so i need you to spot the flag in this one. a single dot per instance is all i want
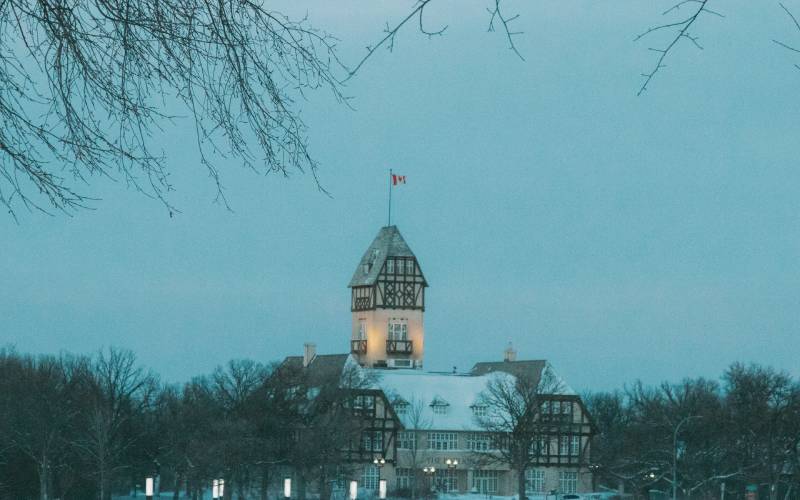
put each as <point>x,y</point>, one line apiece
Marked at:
<point>398,179</point>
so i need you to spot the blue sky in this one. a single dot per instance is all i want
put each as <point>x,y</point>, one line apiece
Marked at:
<point>620,237</point>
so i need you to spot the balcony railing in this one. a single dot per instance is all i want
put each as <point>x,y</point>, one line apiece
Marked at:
<point>358,346</point>
<point>399,347</point>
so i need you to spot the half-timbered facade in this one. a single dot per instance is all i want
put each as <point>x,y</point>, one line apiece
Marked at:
<point>388,304</point>
<point>414,419</point>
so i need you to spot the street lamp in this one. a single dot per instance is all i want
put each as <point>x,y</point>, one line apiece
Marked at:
<point>429,471</point>
<point>379,463</point>
<point>593,469</point>
<point>675,454</point>
<point>452,463</point>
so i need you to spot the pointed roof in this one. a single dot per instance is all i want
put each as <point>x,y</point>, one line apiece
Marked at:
<point>388,243</point>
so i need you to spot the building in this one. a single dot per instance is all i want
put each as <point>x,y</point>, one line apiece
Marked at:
<point>438,420</point>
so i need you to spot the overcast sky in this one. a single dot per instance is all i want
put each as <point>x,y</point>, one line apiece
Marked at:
<point>619,237</point>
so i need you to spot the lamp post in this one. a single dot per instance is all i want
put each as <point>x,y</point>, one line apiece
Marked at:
<point>429,471</point>
<point>675,454</point>
<point>379,463</point>
<point>451,463</point>
<point>593,468</point>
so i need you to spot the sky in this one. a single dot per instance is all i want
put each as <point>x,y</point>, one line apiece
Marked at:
<point>621,237</point>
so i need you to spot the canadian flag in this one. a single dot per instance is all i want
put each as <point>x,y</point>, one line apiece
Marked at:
<point>398,179</point>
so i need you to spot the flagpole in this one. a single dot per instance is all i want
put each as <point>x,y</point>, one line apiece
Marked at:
<point>390,197</point>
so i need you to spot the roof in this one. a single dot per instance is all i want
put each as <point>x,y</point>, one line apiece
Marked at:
<point>459,392</point>
<point>388,243</point>
<point>323,368</point>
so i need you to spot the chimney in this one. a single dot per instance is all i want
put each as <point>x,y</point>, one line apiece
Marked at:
<point>510,354</point>
<point>309,353</point>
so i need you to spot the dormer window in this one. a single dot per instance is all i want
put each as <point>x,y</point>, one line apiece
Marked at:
<point>401,266</point>
<point>479,410</point>
<point>390,266</point>
<point>400,406</point>
<point>439,406</point>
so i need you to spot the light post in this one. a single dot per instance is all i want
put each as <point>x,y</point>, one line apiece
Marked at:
<point>379,463</point>
<point>593,468</point>
<point>451,463</point>
<point>429,471</point>
<point>675,454</point>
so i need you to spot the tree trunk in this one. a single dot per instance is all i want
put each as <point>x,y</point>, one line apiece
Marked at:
<point>264,483</point>
<point>521,483</point>
<point>44,480</point>
<point>301,486</point>
<point>176,490</point>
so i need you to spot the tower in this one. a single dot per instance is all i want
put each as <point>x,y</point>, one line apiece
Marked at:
<point>387,303</point>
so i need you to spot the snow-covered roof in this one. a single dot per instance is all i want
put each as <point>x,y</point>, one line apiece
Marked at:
<point>458,392</point>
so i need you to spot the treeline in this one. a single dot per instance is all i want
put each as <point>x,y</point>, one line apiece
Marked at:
<point>722,439</point>
<point>93,427</point>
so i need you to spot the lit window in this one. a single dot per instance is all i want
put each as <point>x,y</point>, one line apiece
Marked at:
<point>567,482</point>
<point>534,481</point>
<point>398,329</point>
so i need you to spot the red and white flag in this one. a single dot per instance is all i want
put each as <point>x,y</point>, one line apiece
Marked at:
<point>398,179</point>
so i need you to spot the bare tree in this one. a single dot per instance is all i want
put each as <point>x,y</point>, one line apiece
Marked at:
<point>116,392</point>
<point>514,418</point>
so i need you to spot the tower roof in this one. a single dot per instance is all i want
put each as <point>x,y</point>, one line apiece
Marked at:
<point>388,243</point>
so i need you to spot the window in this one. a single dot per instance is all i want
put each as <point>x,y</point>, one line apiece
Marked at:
<point>440,409</point>
<point>407,440</point>
<point>543,445</point>
<point>478,441</point>
<point>567,482</point>
<point>401,407</point>
<point>575,446</point>
<point>479,410</point>
<point>401,266</point>
<point>364,403</point>
<point>404,478</point>
<point>362,329</point>
<point>563,446</point>
<point>398,329</point>
<point>370,477</point>
<point>390,266</point>
<point>442,441</point>
<point>446,480</point>
<point>485,481</point>
<point>372,440</point>
<point>534,481</point>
